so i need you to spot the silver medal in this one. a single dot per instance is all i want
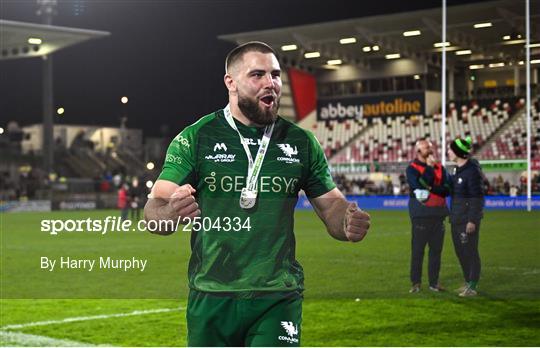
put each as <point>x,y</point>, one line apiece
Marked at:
<point>248,198</point>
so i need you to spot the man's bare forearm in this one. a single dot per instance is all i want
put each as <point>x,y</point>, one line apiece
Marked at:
<point>159,210</point>
<point>334,218</point>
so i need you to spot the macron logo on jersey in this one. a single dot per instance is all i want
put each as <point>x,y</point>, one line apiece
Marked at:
<point>220,146</point>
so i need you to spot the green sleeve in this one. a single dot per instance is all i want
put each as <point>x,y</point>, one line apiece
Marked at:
<point>319,180</point>
<point>179,165</point>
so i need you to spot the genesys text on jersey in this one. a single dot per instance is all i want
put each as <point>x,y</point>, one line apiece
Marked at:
<point>265,184</point>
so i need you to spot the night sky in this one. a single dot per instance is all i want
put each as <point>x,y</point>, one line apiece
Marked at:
<point>163,55</point>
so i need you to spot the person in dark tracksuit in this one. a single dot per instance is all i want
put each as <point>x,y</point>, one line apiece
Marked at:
<point>466,211</point>
<point>429,185</point>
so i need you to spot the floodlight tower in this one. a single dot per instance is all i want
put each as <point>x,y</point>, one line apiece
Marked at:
<point>46,10</point>
<point>123,121</point>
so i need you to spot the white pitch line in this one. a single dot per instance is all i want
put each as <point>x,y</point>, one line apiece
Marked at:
<point>93,317</point>
<point>27,340</point>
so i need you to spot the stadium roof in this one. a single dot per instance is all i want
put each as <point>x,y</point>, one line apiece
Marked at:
<point>26,40</point>
<point>493,31</point>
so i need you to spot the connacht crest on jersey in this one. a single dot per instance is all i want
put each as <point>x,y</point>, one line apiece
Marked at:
<point>288,150</point>
<point>290,328</point>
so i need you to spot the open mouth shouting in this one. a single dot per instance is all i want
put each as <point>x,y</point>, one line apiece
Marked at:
<point>268,100</point>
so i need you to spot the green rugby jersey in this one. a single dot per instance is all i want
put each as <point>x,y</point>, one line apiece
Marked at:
<point>237,250</point>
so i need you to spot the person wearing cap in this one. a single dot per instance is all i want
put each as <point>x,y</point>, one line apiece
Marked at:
<point>429,185</point>
<point>466,212</point>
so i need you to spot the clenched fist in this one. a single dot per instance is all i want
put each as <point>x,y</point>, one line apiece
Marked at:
<point>183,202</point>
<point>356,223</point>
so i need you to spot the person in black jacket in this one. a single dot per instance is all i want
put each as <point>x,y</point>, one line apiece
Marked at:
<point>429,185</point>
<point>466,211</point>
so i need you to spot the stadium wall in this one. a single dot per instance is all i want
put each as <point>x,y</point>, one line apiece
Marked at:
<point>433,102</point>
<point>100,136</point>
<point>399,67</point>
<point>502,77</point>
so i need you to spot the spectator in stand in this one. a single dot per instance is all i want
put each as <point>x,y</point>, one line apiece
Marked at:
<point>523,182</point>
<point>499,184</point>
<point>104,186</point>
<point>402,183</point>
<point>506,188</point>
<point>514,191</point>
<point>123,201</point>
<point>535,183</point>
<point>117,180</point>
<point>388,185</point>
<point>135,198</point>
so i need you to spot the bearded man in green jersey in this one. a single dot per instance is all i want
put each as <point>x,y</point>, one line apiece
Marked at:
<point>235,175</point>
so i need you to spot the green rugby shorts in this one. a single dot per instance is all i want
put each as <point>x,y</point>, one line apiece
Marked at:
<point>249,319</point>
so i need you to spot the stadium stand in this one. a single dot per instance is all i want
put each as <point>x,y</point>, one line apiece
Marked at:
<point>334,136</point>
<point>287,103</point>
<point>392,139</point>
<point>510,142</point>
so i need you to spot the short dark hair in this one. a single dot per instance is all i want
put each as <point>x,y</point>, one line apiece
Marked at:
<point>238,52</point>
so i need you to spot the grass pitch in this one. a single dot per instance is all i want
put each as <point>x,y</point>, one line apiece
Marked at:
<point>356,294</point>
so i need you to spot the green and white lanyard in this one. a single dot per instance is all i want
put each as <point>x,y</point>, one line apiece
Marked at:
<point>248,196</point>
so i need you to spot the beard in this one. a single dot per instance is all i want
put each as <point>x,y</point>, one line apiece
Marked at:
<point>251,109</point>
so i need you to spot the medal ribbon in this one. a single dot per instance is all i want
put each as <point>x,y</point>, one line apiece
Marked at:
<point>254,166</point>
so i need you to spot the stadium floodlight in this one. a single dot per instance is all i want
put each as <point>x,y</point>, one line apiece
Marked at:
<point>535,61</point>
<point>60,111</point>
<point>496,65</point>
<point>520,62</point>
<point>476,66</point>
<point>441,44</point>
<point>291,47</point>
<point>416,77</point>
<point>330,67</point>
<point>150,165</point>
<point>149,184</point>
<point>1,130</point>
<point>392,56</point>
<point>310,55</point>
<point>334,62</point>
<point>412,33</point>
<point>483,25</point>
<point>124,100</point>
<point>366,48</point>
<point>506,37</point>
<point>514,42</point>
<point>34,41</point>
<point>463,52</point>
<point>375,48</point>
<point>347,40</point>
